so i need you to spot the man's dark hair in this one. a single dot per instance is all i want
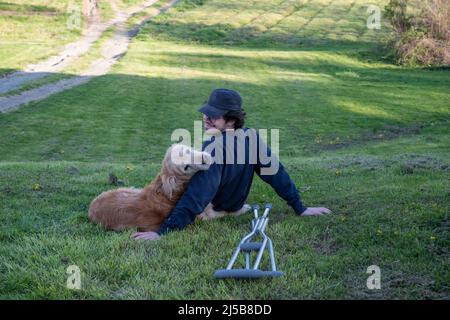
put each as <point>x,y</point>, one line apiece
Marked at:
<point>237,116</point>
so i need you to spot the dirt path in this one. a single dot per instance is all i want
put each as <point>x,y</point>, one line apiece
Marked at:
<point>60,61</point>
<point>112,51</point>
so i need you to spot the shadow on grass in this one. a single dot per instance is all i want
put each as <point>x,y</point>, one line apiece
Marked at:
<point>332,64</point>
<point>284,23</point>
<point>250,36</point>
<point>6,71</point>
<point>14,8</point>
<point>119,117</point>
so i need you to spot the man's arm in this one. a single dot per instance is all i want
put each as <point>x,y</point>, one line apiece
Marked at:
<point>279,180</point>
<point>284,187</point>
<point>283,184</point>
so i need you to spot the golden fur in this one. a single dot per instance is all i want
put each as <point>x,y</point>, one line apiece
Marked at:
<point>145,209</point>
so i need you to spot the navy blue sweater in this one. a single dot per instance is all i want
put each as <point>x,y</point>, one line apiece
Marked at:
<point>227,185</point>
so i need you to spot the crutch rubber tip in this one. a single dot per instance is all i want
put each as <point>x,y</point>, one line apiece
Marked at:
<point>246,274</point>
<point>268,205</point>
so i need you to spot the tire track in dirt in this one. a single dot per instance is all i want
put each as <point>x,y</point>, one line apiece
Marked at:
<point>71,51</point>
<point>63,59</point>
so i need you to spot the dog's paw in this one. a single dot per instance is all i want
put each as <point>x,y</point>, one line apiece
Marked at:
<point>245,208</point>
<point>201,216</point>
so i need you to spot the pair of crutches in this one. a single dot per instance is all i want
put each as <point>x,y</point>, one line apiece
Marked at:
<point>249,245</point>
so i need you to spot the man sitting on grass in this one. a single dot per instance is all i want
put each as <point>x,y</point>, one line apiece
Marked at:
<point>227,185</point>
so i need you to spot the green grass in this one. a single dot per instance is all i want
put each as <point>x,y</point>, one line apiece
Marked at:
<point>32,31</point>
<point>106,11</point>
<point>129,3</point>
<point>137,18</point>
<point>357,134</point>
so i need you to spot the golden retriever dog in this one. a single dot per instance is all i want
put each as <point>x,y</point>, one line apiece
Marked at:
<point>146,209</point>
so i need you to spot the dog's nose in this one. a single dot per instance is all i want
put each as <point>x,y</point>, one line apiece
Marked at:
<point>206,159</point>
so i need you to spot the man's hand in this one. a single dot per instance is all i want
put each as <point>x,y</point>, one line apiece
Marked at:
<point>150,235</point>
<point>316,211</point>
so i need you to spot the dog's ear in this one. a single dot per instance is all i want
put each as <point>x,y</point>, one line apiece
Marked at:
<point>168,185</point>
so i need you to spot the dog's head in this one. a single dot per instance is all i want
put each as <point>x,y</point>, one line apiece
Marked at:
<point>185,161</point>
<point>180,164</point>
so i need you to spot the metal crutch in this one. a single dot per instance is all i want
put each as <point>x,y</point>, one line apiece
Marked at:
<point>247,247</point>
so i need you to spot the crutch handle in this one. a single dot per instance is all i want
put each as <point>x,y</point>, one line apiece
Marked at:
<point>255,209</point>
<point>267,208</point>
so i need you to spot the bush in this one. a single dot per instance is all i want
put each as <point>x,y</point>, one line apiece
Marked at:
<point>421,31</point>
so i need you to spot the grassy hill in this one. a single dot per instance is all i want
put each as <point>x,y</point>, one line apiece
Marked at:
<point>366,138</point>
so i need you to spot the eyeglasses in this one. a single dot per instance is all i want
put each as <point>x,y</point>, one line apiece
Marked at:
<point>210,119</point>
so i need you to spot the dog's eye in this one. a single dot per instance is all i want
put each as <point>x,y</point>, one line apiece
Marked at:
<point>186,167</point>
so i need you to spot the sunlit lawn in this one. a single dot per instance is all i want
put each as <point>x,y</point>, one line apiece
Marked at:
<point>357,134</point>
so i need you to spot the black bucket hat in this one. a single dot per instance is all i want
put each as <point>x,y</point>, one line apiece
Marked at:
<point>220,102</point>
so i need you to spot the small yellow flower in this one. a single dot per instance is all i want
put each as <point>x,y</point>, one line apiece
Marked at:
<point>433,238</point>
<point>379,232</point>
<point>338,172</point>
<point>37,187</point>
